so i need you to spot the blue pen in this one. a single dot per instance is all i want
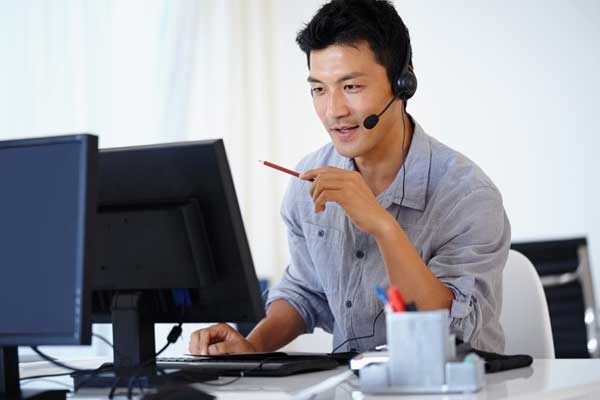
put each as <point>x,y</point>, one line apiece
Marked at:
<point>381,294</point>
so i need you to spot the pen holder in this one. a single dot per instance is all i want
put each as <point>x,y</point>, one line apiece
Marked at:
<point>417,345</point>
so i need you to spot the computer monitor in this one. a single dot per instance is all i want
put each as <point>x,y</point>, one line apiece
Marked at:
<point>171,247</point>
<point>47,208</point>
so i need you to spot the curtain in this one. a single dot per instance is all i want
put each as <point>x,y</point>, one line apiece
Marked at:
<point>138,72</point>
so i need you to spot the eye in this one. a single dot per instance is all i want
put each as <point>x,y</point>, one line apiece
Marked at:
<point>352,87</point>
<point>316,90</point>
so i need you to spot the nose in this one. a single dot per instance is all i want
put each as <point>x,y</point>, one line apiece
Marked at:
<point>336,105</point>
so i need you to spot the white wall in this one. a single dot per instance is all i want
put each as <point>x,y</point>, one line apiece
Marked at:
<point>514,85</point>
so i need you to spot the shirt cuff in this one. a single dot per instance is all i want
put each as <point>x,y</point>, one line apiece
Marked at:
<point>463,318</point>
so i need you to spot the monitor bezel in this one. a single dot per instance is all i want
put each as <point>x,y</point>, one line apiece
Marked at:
<point>87,200</point>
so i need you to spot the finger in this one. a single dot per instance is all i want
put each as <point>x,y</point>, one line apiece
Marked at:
<point>204,339</point>
<point>196,341</point>
<point>208,336</point>
<point>193,346</point>
<point>328,183</point>
<point>236,346</point>
<point>311,174</point>
<point>324,197</point>
<point>218,348</point>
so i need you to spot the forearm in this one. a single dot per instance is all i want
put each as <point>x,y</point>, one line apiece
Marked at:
<point>281,325</point>
<point>407,271</point>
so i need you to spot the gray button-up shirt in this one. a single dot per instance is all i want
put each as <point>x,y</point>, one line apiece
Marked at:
<point>452,213</point>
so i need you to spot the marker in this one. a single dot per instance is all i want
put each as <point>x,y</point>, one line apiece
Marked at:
<point>396,300</point>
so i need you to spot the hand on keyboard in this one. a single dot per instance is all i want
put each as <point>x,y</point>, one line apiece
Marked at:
<point>219,339</point>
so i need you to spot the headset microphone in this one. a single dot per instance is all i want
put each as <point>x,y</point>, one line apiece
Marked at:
<point>373,119</point>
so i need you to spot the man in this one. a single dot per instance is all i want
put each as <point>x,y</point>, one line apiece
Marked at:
<point>383,206</point>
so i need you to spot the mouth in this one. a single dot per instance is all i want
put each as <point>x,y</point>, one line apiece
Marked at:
<point>345,131</point>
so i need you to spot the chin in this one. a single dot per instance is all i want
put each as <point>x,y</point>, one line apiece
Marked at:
<point>348,150</point>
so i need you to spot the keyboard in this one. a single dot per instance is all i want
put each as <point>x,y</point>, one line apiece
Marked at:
<point>257,364</point>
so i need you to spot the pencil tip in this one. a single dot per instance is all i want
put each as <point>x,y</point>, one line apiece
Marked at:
<point>260,161</point>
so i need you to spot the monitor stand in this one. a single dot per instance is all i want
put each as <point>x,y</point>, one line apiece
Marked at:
<point>10,389</point>
<point>133,352</point>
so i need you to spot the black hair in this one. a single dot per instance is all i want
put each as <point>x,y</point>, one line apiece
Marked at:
<point>346,22</point>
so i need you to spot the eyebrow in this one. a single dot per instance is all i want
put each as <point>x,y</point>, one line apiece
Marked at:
<point>351,75</point>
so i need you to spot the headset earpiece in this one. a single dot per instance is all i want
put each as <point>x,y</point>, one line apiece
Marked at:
<point>403,88</point>
<point>406,84</point>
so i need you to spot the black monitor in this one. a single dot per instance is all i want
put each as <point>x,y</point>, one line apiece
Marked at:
<point>171,247</point>
<point>47,208</point>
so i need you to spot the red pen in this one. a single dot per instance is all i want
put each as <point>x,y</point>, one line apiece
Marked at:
<point>280,168</point>
<point>396,300</point>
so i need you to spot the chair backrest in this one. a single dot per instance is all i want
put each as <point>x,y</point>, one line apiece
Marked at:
<point>564,268</point>
<point>524,315</point>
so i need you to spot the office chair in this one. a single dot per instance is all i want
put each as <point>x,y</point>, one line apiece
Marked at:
<point>564,268</point>
<point>524,317</point>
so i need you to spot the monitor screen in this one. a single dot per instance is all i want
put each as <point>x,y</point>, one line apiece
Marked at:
<point>47,202</point>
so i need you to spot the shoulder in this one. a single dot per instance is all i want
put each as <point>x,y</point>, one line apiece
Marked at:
<point>463,201</point>
<point>456,176</point>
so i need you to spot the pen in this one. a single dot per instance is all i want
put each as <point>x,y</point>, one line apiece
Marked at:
<point>280,168</point>
<point>381,295</point>
<point>396,300</point>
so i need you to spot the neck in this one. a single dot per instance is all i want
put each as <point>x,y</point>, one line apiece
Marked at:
<point>380,166</point>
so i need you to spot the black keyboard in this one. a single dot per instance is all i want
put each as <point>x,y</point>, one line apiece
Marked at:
<point>257,364</point>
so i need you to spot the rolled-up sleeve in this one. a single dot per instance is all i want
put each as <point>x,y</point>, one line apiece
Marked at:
<point>472,242</point>
<point>300,285</point>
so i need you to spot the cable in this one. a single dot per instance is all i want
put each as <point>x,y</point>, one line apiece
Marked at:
<point>105,340</point>
<point>398,213</point>
<point>403,158</point>
<point>57,363</point>
<point>102,368</point>
<point>360,337</point>
<point>113,388</point>
<point>69,367</point>
<point>172,337</point>
<point>44,376</point>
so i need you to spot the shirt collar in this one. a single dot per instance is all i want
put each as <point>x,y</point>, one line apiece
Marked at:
<point>416,167</point>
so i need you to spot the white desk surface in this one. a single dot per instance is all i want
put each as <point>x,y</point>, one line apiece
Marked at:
<point>545,379</point>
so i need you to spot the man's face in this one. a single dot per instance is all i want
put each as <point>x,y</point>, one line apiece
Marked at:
<point>347,85</point>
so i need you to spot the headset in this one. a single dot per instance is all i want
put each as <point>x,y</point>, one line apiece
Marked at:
<point>403,88</point>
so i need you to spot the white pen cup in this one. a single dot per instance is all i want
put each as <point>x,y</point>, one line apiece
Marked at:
<point>417,345</point>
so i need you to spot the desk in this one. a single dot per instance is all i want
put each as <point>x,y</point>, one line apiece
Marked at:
<point>545,379</point>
